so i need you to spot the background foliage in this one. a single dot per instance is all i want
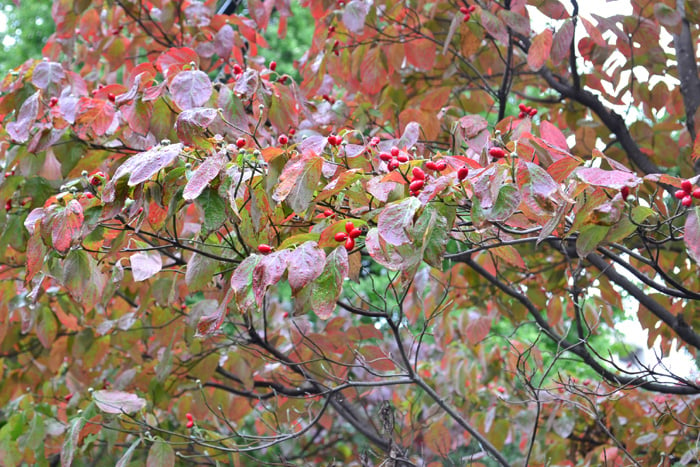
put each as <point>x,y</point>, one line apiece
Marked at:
<point>414,248</point>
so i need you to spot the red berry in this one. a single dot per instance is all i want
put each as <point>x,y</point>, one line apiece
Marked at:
<point>625,192</point>
<point>68,397</point>
<point>328,212</point>
<point>331,30</point>
<point>462,173</point>
<point>273,66</point>
<point>349,225</point>
<point>240,142</point>
<point>680,194</point>
<point>53,101</point>
<point>418,173</point>
<point>89,195</point>
<point>522,115</point>
<point>340,236</point>
<point>497,153</point>
<point>687,201</point>
<point>696,193</point>
<point>282,79</point>
<point>416,185</point>
<point>111,97</point>
<point>522,107</point>
<point>264,248</point>
<point>430,165</point>
<point>501,389</point>
<point>440,165</point>
<point>402,158</point>
<point>188,416</point>
<point>354,233</point>
<point>292,132</point>
<point>282,139</point>
<point>467,17</point>
<point>237,70</point>
<point>472,9</point>
<point>190,424</point>
<point>464,10</point>
<point>8,205</point>
<point>374,141</point>
<point>686,185</point>
<point>385,156</point>
<point>349,244</point>
<point>532,112</point>
<point>336,52</point>
<point>393,165</point>
<point>394,151</point>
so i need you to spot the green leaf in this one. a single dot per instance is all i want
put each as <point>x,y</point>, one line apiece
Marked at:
<point>160,455</point>
<point>329,285</point>
<point>126,457</point>
<point>214,208</point>
<point>200,272</point>
<point>46,327</point>
<point>589,238</point>
<point>70,445</point>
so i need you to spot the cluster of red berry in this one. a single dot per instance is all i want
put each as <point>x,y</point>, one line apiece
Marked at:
<point>497,152</point>
<point>335,140</point>
<point>526,110</point>
<point>686,194</point>
<point>336,44</point>
<point>393,158</point>
<point>349,236</point>
<point>467,11</point>
<point>417,183</point>
<point>190,420</point>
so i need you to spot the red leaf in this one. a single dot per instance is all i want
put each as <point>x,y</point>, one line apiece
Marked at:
<point>95,116</point>
<point>268,272</point>
<point>669,17</point>
<point>562,41</point>
<point>306,263</point>
<point>593,32</point>
<point>478,329</point>
<point>190,89</point>
<point>438,439</point>
<point>373,71</point>
<point>540,49</point>
<point>298,181</point>
<point>519,23</point>
<point>174,60</point>
<point>494,26</point>
<point>66,225</point>
<point>553,135</point>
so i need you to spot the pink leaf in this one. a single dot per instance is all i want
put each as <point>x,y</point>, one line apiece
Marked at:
<point>306,263</point>
<point>145,264</point>
<point>47,73</point>
<point>354,15</point>
<point>692,234</point>
<point>268,272</point>
<point>553,135</point>
<point>396,219</point>
<point>190,89</point>
<point>117,402</point>
<point>19,129</point>
<point>204,174</point>
<point>615,179</point>
<point>562,41</point>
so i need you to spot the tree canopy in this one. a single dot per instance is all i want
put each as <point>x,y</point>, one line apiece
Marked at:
<point>413,250</point>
